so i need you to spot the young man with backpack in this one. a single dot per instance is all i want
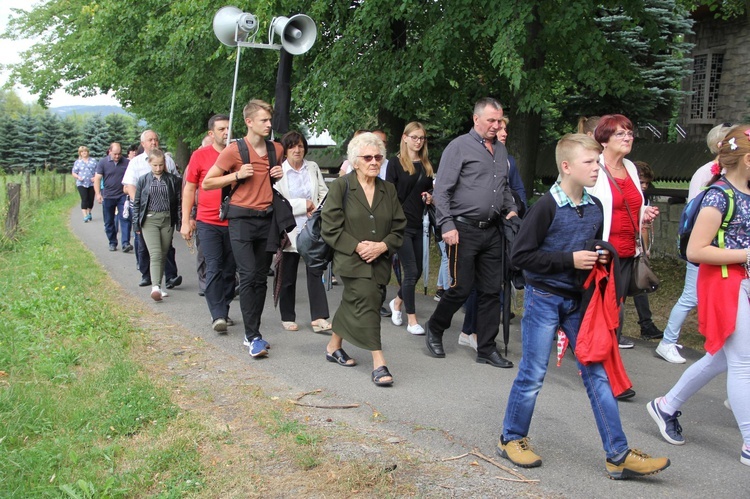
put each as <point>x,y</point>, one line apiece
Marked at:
<point>250,213</point>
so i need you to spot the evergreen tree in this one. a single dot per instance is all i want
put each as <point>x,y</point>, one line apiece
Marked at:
<point>117,128</point>
<point>28,144</point>
<point>72,137</point>
<point>95,136</point>
<point>51,140</point>
<point>8,142</point>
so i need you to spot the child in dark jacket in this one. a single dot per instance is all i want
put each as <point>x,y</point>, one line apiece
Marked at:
<point>549,248</point>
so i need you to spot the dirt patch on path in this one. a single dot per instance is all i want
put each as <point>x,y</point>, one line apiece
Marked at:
<point>254,441</point>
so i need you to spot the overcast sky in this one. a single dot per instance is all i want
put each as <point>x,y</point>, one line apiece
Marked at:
<point>10,51</point>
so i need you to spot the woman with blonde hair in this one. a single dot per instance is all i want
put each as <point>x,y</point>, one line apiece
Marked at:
<point>83,171</point>
<point>723,295</point>
<point>412,174</point>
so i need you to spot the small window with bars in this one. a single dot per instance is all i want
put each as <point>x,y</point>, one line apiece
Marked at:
<point>705,86</point>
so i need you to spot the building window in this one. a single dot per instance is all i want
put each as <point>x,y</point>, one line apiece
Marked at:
<point>705,86</point>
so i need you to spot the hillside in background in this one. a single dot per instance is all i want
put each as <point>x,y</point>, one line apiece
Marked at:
<point>64,111</point>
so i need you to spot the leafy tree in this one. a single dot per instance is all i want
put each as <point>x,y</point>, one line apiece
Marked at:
<point>376,62</point>
<point>11,104</point>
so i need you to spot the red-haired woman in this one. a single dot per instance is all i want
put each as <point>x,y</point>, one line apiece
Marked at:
<point>618,188</point>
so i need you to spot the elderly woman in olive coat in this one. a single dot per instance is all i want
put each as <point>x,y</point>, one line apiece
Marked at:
<point>364,230</point>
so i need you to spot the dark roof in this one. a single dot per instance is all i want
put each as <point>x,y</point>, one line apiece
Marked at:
<point>669,161</point>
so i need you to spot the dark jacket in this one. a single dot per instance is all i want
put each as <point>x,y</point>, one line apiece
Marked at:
<point>343,229</point>
<point>142,192</point>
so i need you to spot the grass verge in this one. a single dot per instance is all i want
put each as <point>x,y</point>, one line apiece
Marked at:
<point>101,398</point>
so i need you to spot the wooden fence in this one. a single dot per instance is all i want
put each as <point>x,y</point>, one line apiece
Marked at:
<point>23,190</point>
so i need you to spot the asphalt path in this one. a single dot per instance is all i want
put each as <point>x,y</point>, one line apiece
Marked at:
<point>450,406</point>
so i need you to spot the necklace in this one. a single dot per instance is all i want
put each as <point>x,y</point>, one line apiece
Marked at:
<point>613,168</point>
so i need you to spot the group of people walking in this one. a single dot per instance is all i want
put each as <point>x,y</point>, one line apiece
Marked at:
<point>576,247</point>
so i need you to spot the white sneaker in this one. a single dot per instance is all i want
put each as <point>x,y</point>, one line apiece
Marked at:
<point>416,330</point>
<point>164,294</point>
<point>395,314</point>
<point>467,340</point>
<point>668,352</point>
<point>156,293</point>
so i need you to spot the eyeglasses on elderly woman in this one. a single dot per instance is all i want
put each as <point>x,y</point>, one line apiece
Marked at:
<point>368,157</point>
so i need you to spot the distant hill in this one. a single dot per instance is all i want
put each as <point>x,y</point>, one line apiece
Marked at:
<point>64,111</point>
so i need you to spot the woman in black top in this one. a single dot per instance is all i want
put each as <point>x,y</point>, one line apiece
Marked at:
<point>411,172</point>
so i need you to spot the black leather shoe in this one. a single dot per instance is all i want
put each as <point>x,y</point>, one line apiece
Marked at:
<point>627,394</point>
<point>651,332</point>
<point>145,281</point>
<point>434,344</point>
<point>173,282</point>
<point>495,360</point>
<point>384,312</point>
<point>127,248</point>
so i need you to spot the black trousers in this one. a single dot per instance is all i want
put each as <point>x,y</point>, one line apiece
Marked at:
<point>249,237</point>
<point>476,259</point>
<point>410,256</point>
<point>200,263</point>
<point>87,197</point>
<point>220,268</point>
<point>316,291</point>
<point>143,260</point>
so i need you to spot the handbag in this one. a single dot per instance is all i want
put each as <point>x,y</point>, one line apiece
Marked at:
<point>642,278</point>
<point>316,253</point>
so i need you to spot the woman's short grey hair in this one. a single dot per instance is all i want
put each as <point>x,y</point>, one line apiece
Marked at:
<point>716,135</point>
<point>360,142</point>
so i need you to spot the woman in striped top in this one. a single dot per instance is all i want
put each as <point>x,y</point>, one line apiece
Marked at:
<point>156,213</point>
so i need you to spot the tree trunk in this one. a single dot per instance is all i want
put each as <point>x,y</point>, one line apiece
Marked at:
<point>182,155</point>
<point>523,142</point>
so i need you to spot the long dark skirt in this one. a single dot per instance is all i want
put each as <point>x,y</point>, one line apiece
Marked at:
<point>357,319</point>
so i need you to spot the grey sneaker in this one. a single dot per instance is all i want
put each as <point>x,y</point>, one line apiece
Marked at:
<point>220,325</point>
<point>625,343</point>
<point>668,425</point>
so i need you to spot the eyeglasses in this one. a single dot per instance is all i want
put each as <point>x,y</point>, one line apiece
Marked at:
<point>369,157</point>
<point>622,135</point>
<point>417,138</point>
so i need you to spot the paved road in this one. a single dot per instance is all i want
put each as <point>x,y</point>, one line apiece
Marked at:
<point>453,405</point>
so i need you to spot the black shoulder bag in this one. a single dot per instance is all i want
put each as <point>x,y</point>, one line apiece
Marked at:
<point>316,253</point>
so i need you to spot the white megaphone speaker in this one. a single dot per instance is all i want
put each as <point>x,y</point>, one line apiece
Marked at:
<point>231,25</point>
<point>297,33</point>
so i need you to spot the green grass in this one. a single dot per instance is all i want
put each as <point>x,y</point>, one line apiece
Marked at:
<point>71,401</point>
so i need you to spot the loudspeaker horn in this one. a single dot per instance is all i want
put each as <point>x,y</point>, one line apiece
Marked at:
<point>231,25</point>
<point>297,33</point>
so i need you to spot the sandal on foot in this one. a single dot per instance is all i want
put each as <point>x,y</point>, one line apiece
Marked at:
<point>341,358</point>
<point>380,373</point>
<point>290,325</point>
<point>321,325</point>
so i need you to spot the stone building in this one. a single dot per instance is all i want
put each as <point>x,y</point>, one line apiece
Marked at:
<point>720,81</point>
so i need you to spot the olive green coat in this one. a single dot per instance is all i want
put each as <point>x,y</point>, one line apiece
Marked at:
<point>384,221</point>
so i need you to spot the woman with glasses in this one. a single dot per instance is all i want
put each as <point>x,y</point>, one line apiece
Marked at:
<point>411,172</point>
<point>618,188</point>
<point>364,224</point>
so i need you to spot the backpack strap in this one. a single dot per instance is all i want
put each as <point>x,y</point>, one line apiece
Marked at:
<point>728,191</point>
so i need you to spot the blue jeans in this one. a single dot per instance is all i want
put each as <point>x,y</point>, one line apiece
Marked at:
<point>444,278</point>
<point>687,302</point>
<point>544,313</point>
<point>112,221</point>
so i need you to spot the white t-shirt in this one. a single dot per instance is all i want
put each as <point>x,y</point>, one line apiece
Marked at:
<point>700,178</point>
<point>139,166</point>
